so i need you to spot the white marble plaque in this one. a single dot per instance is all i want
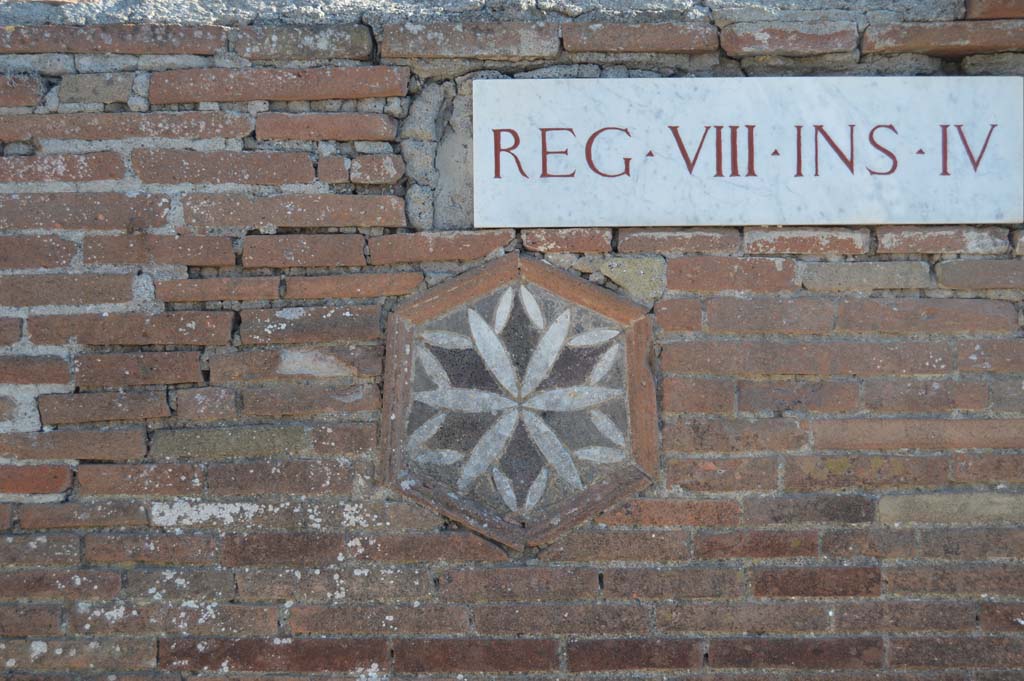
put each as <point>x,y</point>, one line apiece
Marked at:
<point>748,151</point>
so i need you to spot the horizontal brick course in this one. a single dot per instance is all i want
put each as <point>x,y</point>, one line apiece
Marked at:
<point>469,40</point>
<point>667,37</point>
<point>293,210</point>
<point>944,39</point>
<point>101,210</point>
<point>788,39</point>
<point>115,126</point>
<point>242,85</point>
<point>172,166</point>
<point>325,126</point>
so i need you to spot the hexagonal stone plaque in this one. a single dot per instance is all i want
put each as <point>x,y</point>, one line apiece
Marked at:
<point>519,400</point>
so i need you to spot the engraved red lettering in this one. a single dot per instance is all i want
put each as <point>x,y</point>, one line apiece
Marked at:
<point>545,152</point>
<point>689,162</point>
<point>499,150</point>
<point>590,154</point>
<point>819,132</point>
<point>884,150</point>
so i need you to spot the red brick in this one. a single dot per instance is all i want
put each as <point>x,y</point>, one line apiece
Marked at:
<point>65,289</point>
<point>721,273</point>
<point>981,274</point>
<point>797,396</point>
<point>676,315</point>
<point>666,37</point>
<point>575,240</point>
<point>30,252</point>
<point>321,586</point>
<point>733,435</point>
<point>44,479</point>
<point>995,9</point>
<point>903,616</point>
<point>891,315</point>
<point>113,513</point>
<point>518,584</point>
<point>232,442</point>
<point>60,584</point>
<point>496,656</point>
<point>560,619</point>
<point>33,369</point>
<point>102,165</point>
<point>82,211</point>
<point>489,40</point>
<point>139,479</point>
<point>29,620</point>
<point>340,127</point>
<point>806,241</point>
<point>253,84</point>
<point>679,241</point>
<point>817,582</point>
<point>756,544</point>
<point>191,618</point>
<point>770,315</point>
<point>311,324</point>
<point>139,368</point>
<point>10,330</point>
<point>332,41</point>
<point>672,513</point>
<point>349,439</point>
<point>85,445</point>
<point>293,549</point>
<point>150,549</point>
<point>865,276</point>
<point>672,584</point>
<point>272,655</point>
<point>116,126</point>
<point>650,653</point>
<point>169,328</point>
<point>822,359</point>
<point>722,475</point>
<point>994,616</point>
<point>379,619</point>
<point>944,39</point>
<point>142,249</point>
<point>84,655</point>
<point>961,580</point>
<point>296,364</point>
<point>206,404</point>
<point>293,210</point>
<point>376,169</point>
<point>972,543</point>
<point>176,166</point>
<point>754,618</point>
<point>924,396</point>
<point>590,546</point>
<point>107,406</point>
<point>228,288</point>
<point>698,395</point>
<point>970,240</point>
<point>333,169</point>
<point>796,653</point>
<point>804,473</point>
<point>427,247</point>
<point>114,39</point>
<point>789,39</point>
<point>869,543</point>
<point>353,285</point>
<point>303,250</point>
<point>49,549</point>
<point>444,547</point>
<point>999,356</point>
<point>937,652</point>
<point>280,477</point>
<point>812,508</point>
<point>20,91</point>
<point>309,400</point>
<point>988,468</point>
<point>926,434</point>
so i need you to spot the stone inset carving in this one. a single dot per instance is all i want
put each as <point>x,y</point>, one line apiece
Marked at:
<point>519,400</point>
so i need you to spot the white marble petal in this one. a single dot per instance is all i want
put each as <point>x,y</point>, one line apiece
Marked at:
<point>448,340</point>
<point>492,351</point>
<point>488,449</point>
<point>433,368</point>
<point>576,398</point>
<point>504,487</point>
<point>607,427</point>
<point>591,338</point>
<point>600,454</point>
<point>546,353</point>
<point>603,365</point>
<point>419,437</point>
<point>536,491</point>
<point>504,310</point>
<point>552,449</point>
<point>466,400</point>
<point>443,457</point>
<point>532,309</point>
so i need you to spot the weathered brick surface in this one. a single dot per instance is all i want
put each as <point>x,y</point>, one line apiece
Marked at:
<point>204,230</point>
<point>994,9</point>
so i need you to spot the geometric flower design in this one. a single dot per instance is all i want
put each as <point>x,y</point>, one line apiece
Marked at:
<point>515,399</point>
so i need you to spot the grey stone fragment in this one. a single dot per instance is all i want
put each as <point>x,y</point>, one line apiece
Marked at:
<point>373,147</point>
<point>43,64</point>
<point>419,161</point>
<point>419,207</point>
<point>642,279</point>
<point>105,63</point>
<point>105,88</point>
<point>1005,64</point>
<point>424,121</point>
<point>453,204</point>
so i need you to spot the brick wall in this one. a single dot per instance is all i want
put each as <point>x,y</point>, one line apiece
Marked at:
<point>202,230</point>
